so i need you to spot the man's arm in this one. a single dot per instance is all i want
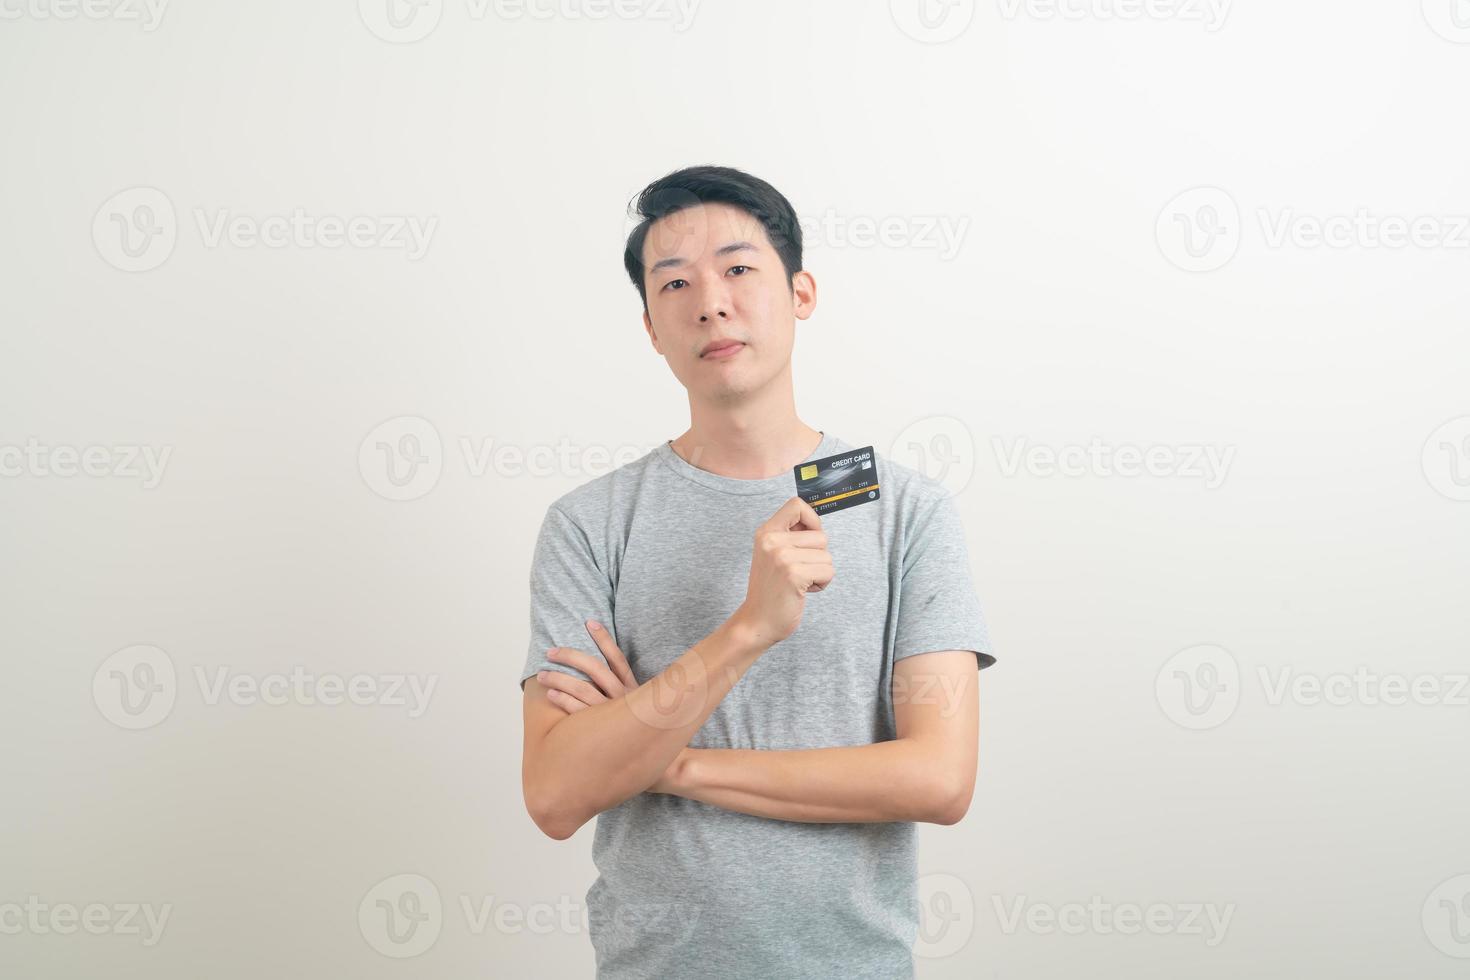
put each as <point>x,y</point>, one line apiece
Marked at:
<point>926,774</point>
<point>574,766</point>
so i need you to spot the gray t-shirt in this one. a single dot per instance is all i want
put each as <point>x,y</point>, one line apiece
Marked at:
<point>659,551</point>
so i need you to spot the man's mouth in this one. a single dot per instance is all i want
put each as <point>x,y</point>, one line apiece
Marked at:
<point>721,349</point>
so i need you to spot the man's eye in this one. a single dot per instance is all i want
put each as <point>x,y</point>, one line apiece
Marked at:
<point>671,283</point>
<point>743,267</point>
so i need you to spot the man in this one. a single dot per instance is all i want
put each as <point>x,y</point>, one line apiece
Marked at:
<point>756,703</point>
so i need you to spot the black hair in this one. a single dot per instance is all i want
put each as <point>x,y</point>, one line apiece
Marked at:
<point>692,186</point>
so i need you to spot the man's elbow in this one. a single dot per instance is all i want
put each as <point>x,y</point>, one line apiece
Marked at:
<point>953,801</point>
<point>552,822</point>
<point>550,814</point>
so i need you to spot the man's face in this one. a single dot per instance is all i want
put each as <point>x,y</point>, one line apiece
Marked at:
<point>713,278</point>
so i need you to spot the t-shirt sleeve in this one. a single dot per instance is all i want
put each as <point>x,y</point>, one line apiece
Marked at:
<point>568,587</point>
<point>937,606</point>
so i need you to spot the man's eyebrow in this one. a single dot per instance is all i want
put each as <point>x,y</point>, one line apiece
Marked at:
<point>670,263</point>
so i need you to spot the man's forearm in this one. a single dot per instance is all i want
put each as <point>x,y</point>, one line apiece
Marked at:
<point>596,758</point>
<point>901,779</point>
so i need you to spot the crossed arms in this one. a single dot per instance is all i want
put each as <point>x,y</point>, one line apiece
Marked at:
<point>590,746</point>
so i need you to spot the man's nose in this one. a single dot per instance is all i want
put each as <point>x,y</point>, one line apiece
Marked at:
<point>714,304</point>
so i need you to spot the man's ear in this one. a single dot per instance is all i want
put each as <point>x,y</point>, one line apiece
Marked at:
<point>803,294</point>
<point>648,325</point>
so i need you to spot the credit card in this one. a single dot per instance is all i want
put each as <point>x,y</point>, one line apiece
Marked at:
<point>837,482</point>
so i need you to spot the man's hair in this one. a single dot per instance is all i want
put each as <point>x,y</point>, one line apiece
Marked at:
<point>705,185</point>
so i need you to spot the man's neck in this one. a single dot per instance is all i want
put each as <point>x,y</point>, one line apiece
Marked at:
<point>746,448</point>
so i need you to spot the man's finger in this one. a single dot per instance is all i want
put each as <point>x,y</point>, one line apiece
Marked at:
<point>594,667</point>
<point>793,514</point>
<point>612,653</point>
<point>574,686</point>
<point>801,539</point>
<point>564,701</point>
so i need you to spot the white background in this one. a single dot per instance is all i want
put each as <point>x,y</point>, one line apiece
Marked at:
<point>1086,309</point>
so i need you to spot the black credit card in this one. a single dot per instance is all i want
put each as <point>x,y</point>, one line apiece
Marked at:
<point>838,482</point>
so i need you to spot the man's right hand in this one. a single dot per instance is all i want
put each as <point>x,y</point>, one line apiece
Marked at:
<point>789,560</point>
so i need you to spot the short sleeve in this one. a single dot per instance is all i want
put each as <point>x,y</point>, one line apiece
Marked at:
<point>568,587</point>
<point>937,605</point>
